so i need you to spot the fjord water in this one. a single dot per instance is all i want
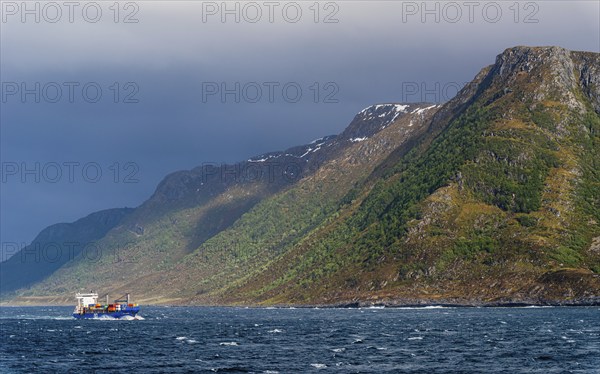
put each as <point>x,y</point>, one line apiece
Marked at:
<point>197,339</point>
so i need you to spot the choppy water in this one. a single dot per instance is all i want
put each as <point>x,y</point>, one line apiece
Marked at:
<point>197,340</point>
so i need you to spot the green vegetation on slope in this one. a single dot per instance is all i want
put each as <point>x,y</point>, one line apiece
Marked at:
<point>498,200</point>
<point>518,181</point>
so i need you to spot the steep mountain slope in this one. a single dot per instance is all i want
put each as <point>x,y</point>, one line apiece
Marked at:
<point>280,222</point>
<point>55,246</point>
<point>305,182</point>
<point>500,202</point>
<point>492,197</point>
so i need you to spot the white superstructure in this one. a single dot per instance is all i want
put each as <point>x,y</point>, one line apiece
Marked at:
<point>85,299</point>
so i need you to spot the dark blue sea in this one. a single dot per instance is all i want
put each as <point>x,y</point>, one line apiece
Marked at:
<point>238,340</point>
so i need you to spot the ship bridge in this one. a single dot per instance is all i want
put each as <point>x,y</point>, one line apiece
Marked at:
<point>85,299</point>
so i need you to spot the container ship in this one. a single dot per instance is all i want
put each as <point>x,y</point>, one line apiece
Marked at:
<point>88,307</point>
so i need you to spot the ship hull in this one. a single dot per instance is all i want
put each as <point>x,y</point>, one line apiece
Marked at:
<point>97,315</point>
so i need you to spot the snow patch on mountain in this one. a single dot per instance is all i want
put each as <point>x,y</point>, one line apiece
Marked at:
<point>389,108</point>
<point>422,110</point>
<point>263,159</point>
<point>386,113</point>
<point>307,152</point>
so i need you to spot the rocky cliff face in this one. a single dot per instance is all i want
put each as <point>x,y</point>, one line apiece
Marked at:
<point>586,64</point>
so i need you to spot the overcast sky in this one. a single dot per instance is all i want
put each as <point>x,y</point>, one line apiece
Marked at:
<point>170,60</point>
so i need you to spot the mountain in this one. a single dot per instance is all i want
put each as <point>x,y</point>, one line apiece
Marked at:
<point>491,198</point>
<point>498,203</point>
<point>55,246</point>
<point>191,207</point>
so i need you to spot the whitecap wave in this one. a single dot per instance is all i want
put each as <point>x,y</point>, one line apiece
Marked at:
<point>33,317</point>
<point>105,318</point>
<point>377,348</point>
<point>228,343</point>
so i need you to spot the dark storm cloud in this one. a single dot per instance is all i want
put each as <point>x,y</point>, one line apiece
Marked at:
<point>171,54</point>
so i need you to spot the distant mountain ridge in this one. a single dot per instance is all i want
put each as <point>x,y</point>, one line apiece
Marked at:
<point>55,246</point>
<point>490,198</point>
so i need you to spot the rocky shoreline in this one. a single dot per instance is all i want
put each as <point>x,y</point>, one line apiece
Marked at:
<point>469,304</point>
<point>396,303</point>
